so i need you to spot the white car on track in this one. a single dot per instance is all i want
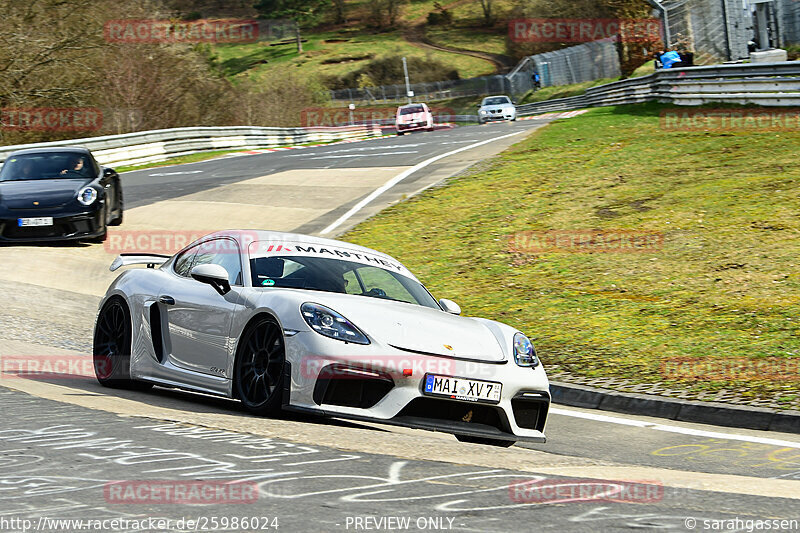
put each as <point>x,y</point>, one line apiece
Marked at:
<point>496,108</point>
<point>414,117</point>
<point>288,321</point>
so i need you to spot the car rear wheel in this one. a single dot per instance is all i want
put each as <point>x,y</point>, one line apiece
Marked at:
<point>483,440</point>
<point>259,367</point>
<point>112,347</point>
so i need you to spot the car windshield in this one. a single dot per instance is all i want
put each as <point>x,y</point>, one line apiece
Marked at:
<point>408,110</point>
<point>43,166</point>
<point>496,100</point>
<point>337,275</point>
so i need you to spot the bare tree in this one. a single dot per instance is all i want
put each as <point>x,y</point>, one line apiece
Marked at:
<point>339,12</point>
<point>385,13</point>
<point>488,16</point>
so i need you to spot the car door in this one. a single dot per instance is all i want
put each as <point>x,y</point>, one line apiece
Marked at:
<point>198,318</point>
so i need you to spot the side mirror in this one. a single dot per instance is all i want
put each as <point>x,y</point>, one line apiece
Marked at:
<point>214,275</point>
<point>513,102</point>
<point>450,306</point>
<point>108,172</point>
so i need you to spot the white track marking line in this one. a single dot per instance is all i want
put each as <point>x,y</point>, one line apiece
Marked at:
<point>359,149</point>
<point>403,175</point>
<point>176,173</point>
<point>675,429</point>
<point>344,156</point>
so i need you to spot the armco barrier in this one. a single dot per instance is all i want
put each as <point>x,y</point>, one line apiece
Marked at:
<point>765,84</point>
<point>158,145</point>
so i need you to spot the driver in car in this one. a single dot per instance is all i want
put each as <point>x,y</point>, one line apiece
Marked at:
<point>27,170</point>
<point>75,165</point>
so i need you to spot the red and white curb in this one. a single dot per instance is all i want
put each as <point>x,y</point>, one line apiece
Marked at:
<point>564,114</point>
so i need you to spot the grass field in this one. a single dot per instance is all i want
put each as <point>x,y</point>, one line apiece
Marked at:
<point>339,50</point>
<point>468,39</point>
<point>468,31</point>
<point>336,53</point>
<point>722,285</point>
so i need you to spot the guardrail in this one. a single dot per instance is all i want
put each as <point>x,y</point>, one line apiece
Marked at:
<point>158,145</point>
<point>765,84</point>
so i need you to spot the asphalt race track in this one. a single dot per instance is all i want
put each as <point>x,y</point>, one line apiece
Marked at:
<point>70,448</point>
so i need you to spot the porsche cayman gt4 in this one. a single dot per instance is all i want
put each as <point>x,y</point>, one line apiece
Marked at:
<point>294,322</point>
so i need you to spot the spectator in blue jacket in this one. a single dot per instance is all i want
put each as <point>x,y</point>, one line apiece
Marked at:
<point>668,59</point>
<point>537,81</point>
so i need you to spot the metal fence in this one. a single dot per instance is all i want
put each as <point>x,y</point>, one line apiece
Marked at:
<point>576,64</point>
<point>790,20</point>
<point>765,84</point>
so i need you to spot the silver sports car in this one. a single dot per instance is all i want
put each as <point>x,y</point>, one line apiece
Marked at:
<point>287,321</point>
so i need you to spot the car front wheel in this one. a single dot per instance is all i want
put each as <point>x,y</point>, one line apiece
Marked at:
<point>259,367</point>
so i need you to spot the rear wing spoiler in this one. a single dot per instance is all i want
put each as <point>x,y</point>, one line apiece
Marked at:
<point>151,260</point>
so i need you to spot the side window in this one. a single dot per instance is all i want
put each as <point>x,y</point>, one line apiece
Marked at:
<point>184,262</point>
<point>224,252</point>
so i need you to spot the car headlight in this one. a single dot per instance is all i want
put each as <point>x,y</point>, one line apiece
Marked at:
<point>524,353</point>
<point>482,111</point>
<point>328,322</point>
<point>87,195</point>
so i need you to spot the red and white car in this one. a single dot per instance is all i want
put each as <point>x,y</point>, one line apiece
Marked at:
<point>413,117</point>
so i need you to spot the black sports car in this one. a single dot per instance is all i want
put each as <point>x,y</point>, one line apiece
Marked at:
<point>49,194</point>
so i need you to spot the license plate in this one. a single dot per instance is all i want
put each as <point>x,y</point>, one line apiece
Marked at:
<point>470,390</point>
<point>39,221</point>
